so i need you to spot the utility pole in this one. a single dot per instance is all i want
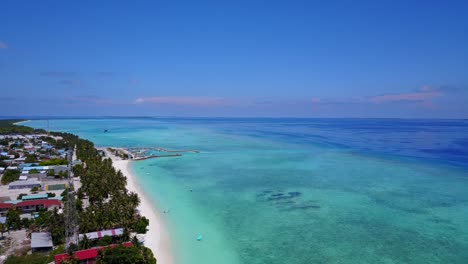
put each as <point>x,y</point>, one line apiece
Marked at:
<point>71,215</point>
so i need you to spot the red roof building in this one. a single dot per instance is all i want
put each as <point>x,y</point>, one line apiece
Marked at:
<point>87,256</point>
<point>35,205</point>
<point>43,202</point>
<point>31,206</point>
<point>5,206</point>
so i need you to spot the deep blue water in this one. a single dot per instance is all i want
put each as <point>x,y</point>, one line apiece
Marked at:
<point>442,141</point>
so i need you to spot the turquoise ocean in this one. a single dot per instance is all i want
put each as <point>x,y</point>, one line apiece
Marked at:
<point>301,191</point>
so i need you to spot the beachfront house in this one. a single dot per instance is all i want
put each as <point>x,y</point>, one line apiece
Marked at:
<point>100,234</point>
<point>85,256</point>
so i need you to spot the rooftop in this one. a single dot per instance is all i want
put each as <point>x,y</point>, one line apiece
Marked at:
<point>45,167</point>
<point>41,240</point>
<point>5,205</point>
<point>99,234</point>
<point>4,198</point>
<point>43,202</point>
<point>35,196</point>
<point>13,201</point>
<point>86,254</point>
<point>26,182</point>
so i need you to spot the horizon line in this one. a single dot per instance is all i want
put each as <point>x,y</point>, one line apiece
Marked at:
<point>44,117</point>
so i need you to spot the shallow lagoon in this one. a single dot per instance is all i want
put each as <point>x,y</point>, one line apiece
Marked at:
<point>302,190</point>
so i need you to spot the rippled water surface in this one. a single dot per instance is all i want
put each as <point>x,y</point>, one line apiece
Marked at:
<point>302,190</point>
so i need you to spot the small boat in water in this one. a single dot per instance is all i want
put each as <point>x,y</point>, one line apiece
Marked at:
<point>199,238</point>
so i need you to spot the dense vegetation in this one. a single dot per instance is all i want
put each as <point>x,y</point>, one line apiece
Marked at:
<point>31,158</point>
<point>47,221</point>
<point>53,222</point>
<point>123,255</point>
<point>3,164</point>
<point>53,162</point>
<point>13,221</point>
<point>10,176</point>
<point>8,127</point>
<point>33,171</point>
<point>27,259</point>
<point>110,204</point>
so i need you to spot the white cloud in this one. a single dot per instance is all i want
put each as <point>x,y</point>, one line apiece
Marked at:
<point>3,45</point>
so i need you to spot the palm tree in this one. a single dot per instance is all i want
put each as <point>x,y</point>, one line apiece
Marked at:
<point>136,242</point>
<point>85,243</point>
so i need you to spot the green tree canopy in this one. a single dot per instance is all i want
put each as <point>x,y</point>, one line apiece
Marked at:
<point>10,176</point>
<point>53,162</point>
<point>9,127</point>
<point>31,158</point>
<point>123,255</point>
<point>27,259</point>
<point>13,221</point>
<point>33,171</point>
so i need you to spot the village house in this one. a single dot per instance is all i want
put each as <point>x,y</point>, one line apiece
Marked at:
<point>26,184</point>
<point>87,255</point>
<point>32,205</point>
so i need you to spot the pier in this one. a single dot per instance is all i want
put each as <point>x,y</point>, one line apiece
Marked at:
<point>168,150</point>
<point>156,156</point>
<point>148,152</point>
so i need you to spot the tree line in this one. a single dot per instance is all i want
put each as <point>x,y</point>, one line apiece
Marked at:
<point>9,127</point>
<point>111,205</point>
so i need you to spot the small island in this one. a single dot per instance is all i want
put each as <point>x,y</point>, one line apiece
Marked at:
<point>63,202</point>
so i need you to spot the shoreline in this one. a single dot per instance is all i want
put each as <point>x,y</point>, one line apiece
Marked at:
<point>18,123</point>
<point>157,237</point>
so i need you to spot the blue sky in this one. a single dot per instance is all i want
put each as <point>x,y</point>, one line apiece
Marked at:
<point>235,58</point>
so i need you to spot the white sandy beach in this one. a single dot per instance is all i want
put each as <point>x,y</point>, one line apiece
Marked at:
<point>20,122</point>
<point>157,237</point>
